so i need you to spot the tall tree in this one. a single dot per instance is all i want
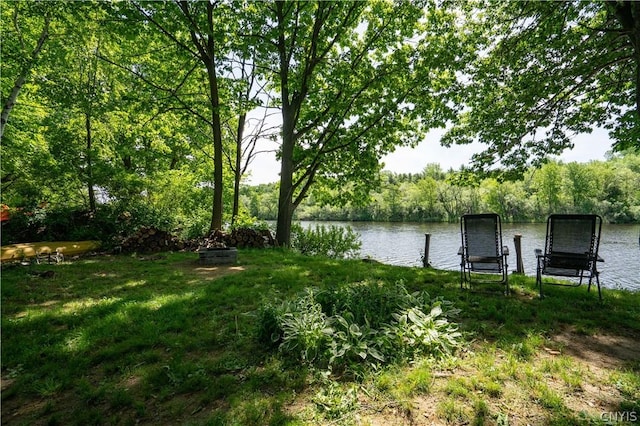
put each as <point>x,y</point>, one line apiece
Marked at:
<point>253,119</point>
<point>82,92</point>
<point>546,71</point>
<point>201,29</point>
<point>68,90</point>
<point>349,83</point>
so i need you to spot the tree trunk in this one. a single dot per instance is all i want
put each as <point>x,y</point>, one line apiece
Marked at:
<point>285,198</point>
<point>636,46</point>
<point>92,196</point>
<point>216,123</point>
<point>238,168</point>
<point>216,213</point>
<point>11,102</point>
<point>17,86</point>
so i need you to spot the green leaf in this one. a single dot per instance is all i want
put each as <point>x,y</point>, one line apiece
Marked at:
<point>355,330</point>
<point>436,311</point>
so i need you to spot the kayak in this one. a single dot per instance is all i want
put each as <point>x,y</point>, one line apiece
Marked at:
<point>22,251</point>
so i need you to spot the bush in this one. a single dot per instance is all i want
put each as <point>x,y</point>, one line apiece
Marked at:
<point>245,220</point>
<point>333,241</point>
<point>109,221</point>
<point>44,223</point>
<point>358,327</point>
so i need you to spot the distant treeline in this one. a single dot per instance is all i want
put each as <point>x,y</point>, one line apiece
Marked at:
<point>609,188</point>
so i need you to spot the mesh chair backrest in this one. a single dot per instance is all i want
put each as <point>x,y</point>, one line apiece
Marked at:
<point>573,235</point>
<point>482,235</point>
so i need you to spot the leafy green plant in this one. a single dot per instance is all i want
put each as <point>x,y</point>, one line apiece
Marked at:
<point>59,223</point>
<point>333,241</point>
<point>424,333</point>
<point>351,342</point>
<point>269,332</point>
<point>368,302</point>
<point>360,327</point>
<point>245,220</point>
<point>305,328</point>
<point>336,402</point>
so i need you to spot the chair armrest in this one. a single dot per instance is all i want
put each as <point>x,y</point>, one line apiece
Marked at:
<point>505,250</point>
<point>599,259</point>
<point>460,251</point>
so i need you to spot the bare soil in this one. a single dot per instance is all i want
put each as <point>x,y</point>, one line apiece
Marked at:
<point>208,271</point>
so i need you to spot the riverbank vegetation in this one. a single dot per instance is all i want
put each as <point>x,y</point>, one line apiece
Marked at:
<point>163,340</point>
<point>609,188</point>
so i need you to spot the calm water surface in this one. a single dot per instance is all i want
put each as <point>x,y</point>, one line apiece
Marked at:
<point>403,244</point>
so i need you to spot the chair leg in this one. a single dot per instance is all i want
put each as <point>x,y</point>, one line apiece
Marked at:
<point>539,280</point>
<point>597,274</point>
<point>505,275</point>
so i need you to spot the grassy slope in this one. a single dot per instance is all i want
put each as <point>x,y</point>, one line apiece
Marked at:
<point>125,340</point>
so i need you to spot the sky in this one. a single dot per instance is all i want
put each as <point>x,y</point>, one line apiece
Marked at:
<point>265,168</point>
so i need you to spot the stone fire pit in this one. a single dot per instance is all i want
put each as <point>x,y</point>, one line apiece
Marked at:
<point>218,255</point>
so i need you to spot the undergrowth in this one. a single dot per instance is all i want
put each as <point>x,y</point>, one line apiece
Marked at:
<point>357,328</point>
<point>332,241</point>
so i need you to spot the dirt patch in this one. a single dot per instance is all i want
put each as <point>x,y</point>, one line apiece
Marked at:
<point>208,271</point>
<point>600,350</point>
<point>5,383</point>
<point>426,408</point>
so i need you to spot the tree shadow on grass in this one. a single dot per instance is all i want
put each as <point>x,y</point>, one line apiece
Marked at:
<point>156,356</point>
<point>119,340</point>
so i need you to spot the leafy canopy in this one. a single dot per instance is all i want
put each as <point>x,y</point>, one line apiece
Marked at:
<point>544,72</point>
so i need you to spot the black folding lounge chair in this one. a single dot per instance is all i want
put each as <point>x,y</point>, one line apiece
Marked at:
<point>483,258</point>
<point>571,250</point>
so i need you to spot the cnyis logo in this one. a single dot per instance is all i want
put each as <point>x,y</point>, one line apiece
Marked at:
<point>620,416</point>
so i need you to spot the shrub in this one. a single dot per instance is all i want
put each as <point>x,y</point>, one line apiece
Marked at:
<point>51,223</point>
<point>305,328</point>
<point>359,327</point>
<point>245,220</point>
<point>333,241</point>
<point>269,332</point>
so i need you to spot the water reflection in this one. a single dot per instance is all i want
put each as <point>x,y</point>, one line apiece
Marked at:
<point>403,244</point>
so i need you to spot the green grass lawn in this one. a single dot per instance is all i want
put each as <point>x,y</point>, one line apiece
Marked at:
<point>120,340</point>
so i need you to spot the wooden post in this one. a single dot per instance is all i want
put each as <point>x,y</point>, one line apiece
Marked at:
<point>517,241</point>
<point>425,258</point>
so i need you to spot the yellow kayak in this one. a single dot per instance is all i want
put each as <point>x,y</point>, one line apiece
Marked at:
<point>66,248</point>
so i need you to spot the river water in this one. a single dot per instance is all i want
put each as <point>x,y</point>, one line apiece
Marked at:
<point>403,244</point>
